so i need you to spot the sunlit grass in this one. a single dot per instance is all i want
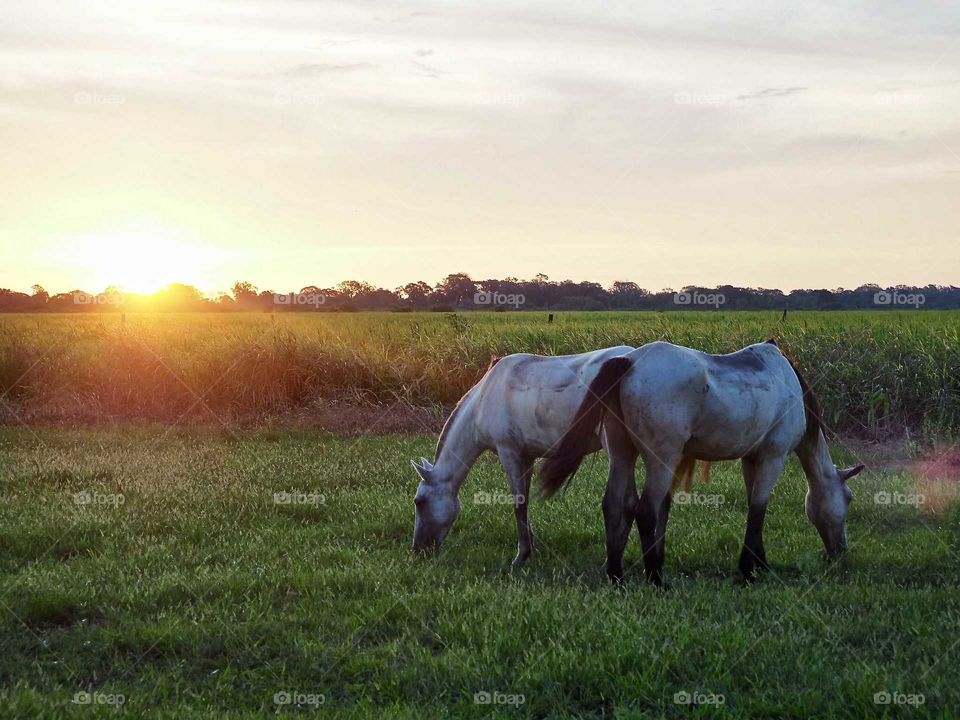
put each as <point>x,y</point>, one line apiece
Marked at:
<point>197,595</point>
<point>875,371</point>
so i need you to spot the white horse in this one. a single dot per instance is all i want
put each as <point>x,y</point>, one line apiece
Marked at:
<point>519,410</point>
<point>672,406</point>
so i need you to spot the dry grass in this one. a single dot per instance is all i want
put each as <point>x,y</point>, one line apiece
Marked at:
<point>876,372</point>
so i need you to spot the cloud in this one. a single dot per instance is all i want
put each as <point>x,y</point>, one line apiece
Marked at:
<point>838,141</point>
<point>772,92</point>
<point>315,69</point>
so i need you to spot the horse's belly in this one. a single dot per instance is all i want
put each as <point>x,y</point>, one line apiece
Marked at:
<point>721,447</point>
<point>534,422</point>
<point>728,431</point>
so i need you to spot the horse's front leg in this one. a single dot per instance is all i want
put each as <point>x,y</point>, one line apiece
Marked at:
<point>519,471</point>
<point>760,474</point>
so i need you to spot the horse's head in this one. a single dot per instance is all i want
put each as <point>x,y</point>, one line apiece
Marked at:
<point>827,503</point>
<point>437,507</point>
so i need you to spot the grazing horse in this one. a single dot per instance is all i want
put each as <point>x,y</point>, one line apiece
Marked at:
<point>672,406</point>
<point>519,410</point>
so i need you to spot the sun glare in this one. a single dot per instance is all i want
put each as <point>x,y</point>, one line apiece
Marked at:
<point>137,260</point>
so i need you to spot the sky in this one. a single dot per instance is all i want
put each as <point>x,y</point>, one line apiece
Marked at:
<point>305,142</point>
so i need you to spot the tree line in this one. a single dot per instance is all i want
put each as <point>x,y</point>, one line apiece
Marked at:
<point>459,292</point>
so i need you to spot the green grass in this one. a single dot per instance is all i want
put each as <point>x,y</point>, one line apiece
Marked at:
<point>876,372</point>
<point>199,596</point>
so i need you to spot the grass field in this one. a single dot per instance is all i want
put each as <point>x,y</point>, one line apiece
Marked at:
<point>174,543</point>
<point>155,564</point>
<point>876,372</point>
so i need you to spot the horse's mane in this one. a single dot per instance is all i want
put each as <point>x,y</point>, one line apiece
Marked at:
<point>446,428</point>
<point>494,359</point>
<point>811,403</point>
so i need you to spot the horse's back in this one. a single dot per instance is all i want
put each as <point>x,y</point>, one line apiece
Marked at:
<point>757,389</point>
<point>664,386</point>
<point>529,400</point>
<point>721,406</point>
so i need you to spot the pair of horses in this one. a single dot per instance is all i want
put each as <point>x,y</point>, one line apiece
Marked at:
<point>666,405</point>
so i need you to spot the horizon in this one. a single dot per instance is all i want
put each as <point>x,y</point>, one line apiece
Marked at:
<point>214,294</point>
<point>766,145</point>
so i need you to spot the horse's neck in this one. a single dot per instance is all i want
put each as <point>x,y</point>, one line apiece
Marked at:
<point>459,448</point>
<point>814,456</point>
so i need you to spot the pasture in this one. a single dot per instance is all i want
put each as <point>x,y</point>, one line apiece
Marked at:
<point>201,593</point>
<point>172,545</point>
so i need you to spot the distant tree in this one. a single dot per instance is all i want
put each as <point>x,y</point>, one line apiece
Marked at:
<point>245,295</point>
<point>179,297</point>
<point>349,289</point>
<point>455,289</point>
<point>416,294</point>
<point>40,297</point>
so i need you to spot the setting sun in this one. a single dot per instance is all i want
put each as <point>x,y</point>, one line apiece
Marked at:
<point>138,259</point>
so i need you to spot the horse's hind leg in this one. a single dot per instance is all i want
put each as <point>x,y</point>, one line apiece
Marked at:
<point>619,500</point>
<point>619,503</point>
<point>760,475</point>
<point>662,529</point>
<point>519,471</point>
<point>656,491</point>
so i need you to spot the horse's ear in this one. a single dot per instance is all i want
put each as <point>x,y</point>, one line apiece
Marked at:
<point>422,471</point>
<point>850,472</point>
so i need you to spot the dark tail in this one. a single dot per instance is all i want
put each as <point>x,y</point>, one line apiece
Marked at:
<point>603,394</point>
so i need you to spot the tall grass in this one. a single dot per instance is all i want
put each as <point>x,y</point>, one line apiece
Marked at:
<point>875,372</point>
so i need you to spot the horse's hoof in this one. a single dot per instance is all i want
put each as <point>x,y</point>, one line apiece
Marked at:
<point>655,580</point>
<point>521,559</point>
<point>616,579</point>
